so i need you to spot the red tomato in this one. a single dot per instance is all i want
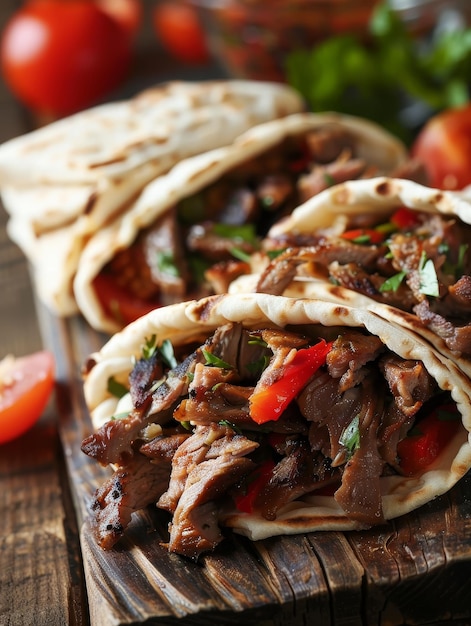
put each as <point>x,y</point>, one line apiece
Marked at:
<point>59,57</point>
<point>179,30</point>
<point>118,303</point>
<point>127,12</point>
<point>444,146</point>
<point>26,384</point>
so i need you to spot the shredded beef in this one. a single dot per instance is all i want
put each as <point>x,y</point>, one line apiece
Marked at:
<point>203,468</point>
<point>131,488</point>
<point>192,447</point>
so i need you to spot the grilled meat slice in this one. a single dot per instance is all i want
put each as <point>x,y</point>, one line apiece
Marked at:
<point>165,256</point>
<point>131,488</point>
<point>203,469</point>
<point>114,440</point>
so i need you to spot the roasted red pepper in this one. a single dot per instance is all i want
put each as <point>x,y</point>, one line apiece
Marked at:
<point>363,235</point>
<point>427,439</point>
<point>405,218</point>
<point>256,482</point>
<point>268,403</point>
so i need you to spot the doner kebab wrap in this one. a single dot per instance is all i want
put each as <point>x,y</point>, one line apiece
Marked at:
<point>391,245</point>
<point>189,233</point>
<point>267,415</point>
<point>62,182</point>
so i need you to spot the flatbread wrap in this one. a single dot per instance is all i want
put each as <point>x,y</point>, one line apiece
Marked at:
<point>270,415</point>
<point>401,247</point>
<point>187,234</point>
<point>63,181</point>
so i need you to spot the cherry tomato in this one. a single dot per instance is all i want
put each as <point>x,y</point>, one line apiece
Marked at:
<point>444,147</point>
<point>118,303</point>
<point>128,13</point>
<point>26,384</point>
<point>59,57</point>
<point>179,30</point>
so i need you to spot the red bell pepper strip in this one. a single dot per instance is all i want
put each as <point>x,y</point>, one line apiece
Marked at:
<point>405,218</point>
<point>268,403</point>
<point>245,502</point>
<point>427,439</point>
<point>363,235</point>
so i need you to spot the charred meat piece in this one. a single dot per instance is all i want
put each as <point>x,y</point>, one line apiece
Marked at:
<point>203,469</point>
<point>114,440</point>
<point>298,473</point>
<point>131,488</point>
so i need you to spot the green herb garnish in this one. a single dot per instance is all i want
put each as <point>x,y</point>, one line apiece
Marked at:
<point>167,353</point>
<point>393,282</point>
<point>428,277</point>
<point>115,388</point>
<point>242,232</point>
<point>166,263</point>
<point>372,76</point>
<point>215,361</point>
<point>149,347</point>
<point>350,437</point>
<point>235,428</point>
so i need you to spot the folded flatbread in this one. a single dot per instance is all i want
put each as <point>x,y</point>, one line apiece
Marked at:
<point>179,239</point>
<point>271,416</point>
<point>64,181</point>
<point>401,247</point>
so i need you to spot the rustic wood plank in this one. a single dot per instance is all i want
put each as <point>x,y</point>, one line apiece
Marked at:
<point>37,585</point>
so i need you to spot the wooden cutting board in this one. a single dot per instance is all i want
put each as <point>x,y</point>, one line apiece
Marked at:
<point>414,570</point>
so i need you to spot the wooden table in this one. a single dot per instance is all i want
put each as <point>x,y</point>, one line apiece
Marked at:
<point>416,571</point>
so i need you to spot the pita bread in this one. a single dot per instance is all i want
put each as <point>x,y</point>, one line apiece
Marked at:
<point>375,146</point>
<point>64,181</point>
<point>196,320</point>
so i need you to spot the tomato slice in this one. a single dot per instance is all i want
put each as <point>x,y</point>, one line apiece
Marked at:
<point>26,384</point>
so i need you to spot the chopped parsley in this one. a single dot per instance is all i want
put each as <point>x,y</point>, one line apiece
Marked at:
<point>350,437</point>
<point>393,282</point>
<point>166,263</point>
<point>428,277</point>
<point>215,361</point>
<point>115,388</point>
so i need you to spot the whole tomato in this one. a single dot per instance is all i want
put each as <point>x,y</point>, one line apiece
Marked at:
<point>444,147</point>
<point>59,57</point>
<point>127,12</point>
<point>179,30</point>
